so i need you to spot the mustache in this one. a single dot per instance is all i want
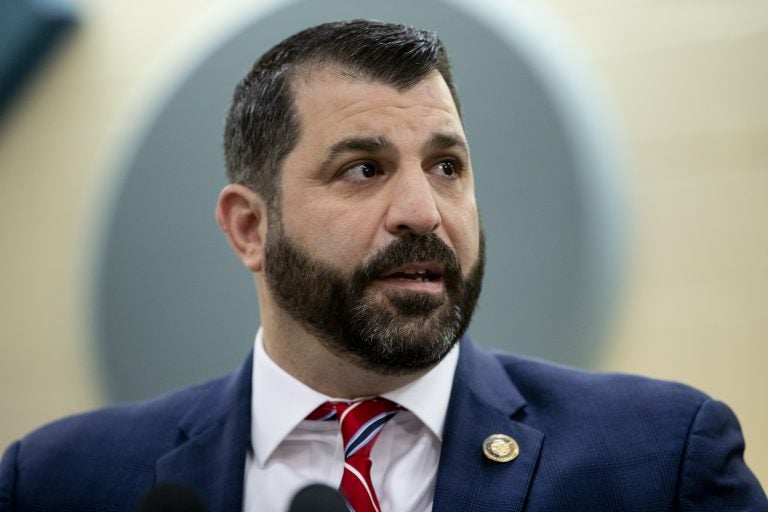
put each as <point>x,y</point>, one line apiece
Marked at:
<point>411,248</point>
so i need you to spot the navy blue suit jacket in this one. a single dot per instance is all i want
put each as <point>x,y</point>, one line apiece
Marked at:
<point>588,442</point>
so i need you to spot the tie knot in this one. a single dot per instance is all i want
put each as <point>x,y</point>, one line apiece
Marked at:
<point>360,421</point>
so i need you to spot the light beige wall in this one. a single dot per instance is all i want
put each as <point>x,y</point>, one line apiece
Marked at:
<point>688,81</point>
<point>57,146</point>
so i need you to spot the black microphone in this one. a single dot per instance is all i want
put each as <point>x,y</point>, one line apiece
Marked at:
<point>317,498</point>
<point>170,497</point>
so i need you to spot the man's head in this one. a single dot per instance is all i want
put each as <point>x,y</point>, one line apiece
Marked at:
<point>263,127</point>
<point>353,197</point>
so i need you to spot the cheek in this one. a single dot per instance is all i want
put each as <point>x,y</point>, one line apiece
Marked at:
<point>463,229</point>
<point>336,234</point>
<point>469,250</point>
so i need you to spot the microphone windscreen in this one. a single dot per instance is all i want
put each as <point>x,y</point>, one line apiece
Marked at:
<point>317,498</point>
<point>170,497</point>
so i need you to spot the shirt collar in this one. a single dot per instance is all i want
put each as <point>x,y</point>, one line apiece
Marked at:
<point>279,402</point>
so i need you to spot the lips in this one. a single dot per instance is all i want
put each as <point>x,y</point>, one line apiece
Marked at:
<point>417,263</point>
<point>417,272</point>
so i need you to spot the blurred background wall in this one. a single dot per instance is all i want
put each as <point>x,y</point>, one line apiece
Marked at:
<point>686,81</point>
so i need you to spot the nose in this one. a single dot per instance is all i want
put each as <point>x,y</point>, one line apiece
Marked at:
<point>412,206</point>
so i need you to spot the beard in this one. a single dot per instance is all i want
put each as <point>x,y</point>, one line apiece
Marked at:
<point>390,332</point>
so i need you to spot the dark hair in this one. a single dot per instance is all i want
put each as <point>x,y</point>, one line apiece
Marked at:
<point>262,126</point>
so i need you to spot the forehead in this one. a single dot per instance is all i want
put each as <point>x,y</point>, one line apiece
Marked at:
<point>331,102</point>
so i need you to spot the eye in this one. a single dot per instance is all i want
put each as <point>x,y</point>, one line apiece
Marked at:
<point>448,168</point>
<point>360,172</point>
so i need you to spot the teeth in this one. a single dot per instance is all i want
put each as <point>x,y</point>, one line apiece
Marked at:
<point>419,275</point>
<point>415,278</point>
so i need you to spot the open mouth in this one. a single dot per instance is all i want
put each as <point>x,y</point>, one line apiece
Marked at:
<point>423,272</point>
<point>421,275</point>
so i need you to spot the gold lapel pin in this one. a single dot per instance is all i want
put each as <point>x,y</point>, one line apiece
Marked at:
<point>500,448</point>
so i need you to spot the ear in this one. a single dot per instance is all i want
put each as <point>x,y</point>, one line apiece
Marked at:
<point>242,216</point>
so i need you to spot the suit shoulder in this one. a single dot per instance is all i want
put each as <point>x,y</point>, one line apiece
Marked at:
<point>549,384</point>
<point>151,424</point>
<point>105,459</point>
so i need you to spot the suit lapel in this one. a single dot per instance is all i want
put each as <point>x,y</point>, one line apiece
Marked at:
<point>215,437</point>
<point>484,402</point>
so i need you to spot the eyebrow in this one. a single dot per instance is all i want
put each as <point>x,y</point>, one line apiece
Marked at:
<point>437,142</point>
<point>444,140</point>
<point>358,144</point>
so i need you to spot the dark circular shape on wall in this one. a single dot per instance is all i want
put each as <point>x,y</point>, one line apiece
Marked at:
<point>173,306</point>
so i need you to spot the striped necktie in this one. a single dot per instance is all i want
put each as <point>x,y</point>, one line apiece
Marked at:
<point>360,423</point>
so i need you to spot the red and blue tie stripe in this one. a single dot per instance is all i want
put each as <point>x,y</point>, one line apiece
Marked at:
<point>361,422</point>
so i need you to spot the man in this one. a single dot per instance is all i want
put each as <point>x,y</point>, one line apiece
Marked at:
<point>352,202</point>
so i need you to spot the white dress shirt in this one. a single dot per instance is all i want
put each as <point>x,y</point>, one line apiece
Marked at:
<point>288,452</point>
